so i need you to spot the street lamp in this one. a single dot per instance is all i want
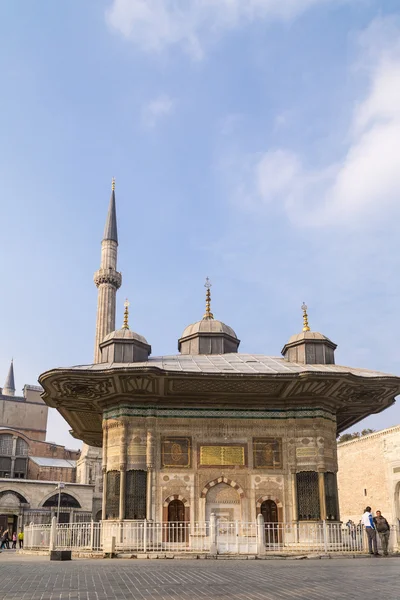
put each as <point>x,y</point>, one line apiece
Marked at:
<point>60,487</point>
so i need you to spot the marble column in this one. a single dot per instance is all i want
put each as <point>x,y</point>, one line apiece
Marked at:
<point>104,460</point>
<point>150,468</point>
<point>322,500</point>
<point>122,468</point>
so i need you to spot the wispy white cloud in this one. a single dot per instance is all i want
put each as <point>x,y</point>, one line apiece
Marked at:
<point>155,24</point>
<point>366,179</point>
<point>157,109</point>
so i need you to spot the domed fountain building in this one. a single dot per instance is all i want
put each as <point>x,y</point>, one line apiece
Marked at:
<point>211,430</point>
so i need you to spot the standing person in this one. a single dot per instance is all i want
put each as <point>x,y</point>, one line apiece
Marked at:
<point>383,529</point>
<point>21,538</point>
<point>14,540</point>
<point>368,522</point>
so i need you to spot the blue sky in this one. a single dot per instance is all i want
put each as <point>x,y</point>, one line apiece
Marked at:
<point>253,141</point>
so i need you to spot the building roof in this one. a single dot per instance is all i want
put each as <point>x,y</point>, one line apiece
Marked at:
<point>242,364</point>
<point>53,462</point>
<point>208,326</point>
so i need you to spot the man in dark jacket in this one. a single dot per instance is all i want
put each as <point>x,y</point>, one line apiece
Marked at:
<point>383,529</point>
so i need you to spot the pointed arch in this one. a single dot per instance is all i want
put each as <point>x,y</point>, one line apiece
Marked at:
<point>226,480</point>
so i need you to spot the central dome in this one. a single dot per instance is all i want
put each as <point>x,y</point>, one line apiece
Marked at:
<point>208,336</point>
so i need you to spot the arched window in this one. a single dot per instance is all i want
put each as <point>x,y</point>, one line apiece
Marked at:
<point>66,501</point>
<point>6,444</point>
<point>22,447</point>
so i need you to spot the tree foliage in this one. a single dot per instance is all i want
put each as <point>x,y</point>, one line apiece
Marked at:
<point>346,437</point>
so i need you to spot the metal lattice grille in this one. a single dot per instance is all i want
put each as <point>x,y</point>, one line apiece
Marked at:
<point>307,496</point>
<point>6,444</point>
<point>135,494</point>
<point>112,496</point>
<point>331,497</point>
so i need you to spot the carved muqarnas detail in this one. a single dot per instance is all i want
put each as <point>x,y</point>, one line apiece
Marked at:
<point>140,385</point>
<point>82,388</point>
<point>310,388</point>
<point>201,386</point>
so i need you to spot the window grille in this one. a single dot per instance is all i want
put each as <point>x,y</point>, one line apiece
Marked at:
<point>308,496</point>
<point>112,495</point>
<point>6,444</point>
<point>135,494</point>
<point>22,447</point>
<point>331,497</point>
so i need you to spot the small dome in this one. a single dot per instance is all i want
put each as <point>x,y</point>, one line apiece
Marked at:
<point>124,334</point>
<point>308,335</point>
<point>208,326</point>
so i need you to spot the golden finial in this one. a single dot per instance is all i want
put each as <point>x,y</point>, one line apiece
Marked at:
<point>126,315</point>
<point>113,184</point>
<point>208,314</point>
<point>304,308</point>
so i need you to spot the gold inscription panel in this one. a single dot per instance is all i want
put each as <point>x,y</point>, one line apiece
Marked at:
<point>222,455</point>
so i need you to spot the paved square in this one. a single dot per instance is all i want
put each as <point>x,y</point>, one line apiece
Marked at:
<point>36,578</point>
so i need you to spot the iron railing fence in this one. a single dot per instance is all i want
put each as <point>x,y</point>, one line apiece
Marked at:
<point>212,537</point>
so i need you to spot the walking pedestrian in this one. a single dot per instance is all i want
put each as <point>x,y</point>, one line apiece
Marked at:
<point>14,540</point>
<point>368,522</point>
<point>383,529</point>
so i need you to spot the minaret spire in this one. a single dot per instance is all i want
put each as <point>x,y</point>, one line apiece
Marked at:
<point>107,278</point>
<point>110,230</point>
<point>9,386</point>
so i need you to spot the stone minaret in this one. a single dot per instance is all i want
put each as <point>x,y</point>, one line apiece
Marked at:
<point>107,278</point>
<point>9,386</point>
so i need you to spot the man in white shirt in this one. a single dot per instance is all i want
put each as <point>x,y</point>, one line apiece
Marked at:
<point>368,522</point>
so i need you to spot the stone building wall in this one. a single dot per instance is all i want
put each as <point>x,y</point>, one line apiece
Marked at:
<point>306,444</point>
<point>369,475</point>
<point>28,417</point>
<point>41,473</point>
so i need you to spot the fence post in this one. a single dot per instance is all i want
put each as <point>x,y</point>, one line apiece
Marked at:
<point>260,534</point>
<point>325,533</point>
<point>237,537</point>
<point>91,534</point>
<point>53,534</point>
<point>213,534</point>
<point>145,536</point>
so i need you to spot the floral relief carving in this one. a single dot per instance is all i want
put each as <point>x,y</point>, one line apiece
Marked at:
<point>82,388</point>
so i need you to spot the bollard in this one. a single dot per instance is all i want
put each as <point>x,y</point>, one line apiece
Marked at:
<point>260,535</point>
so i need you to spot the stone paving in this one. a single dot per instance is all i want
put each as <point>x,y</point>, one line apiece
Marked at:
<point>36,578</point>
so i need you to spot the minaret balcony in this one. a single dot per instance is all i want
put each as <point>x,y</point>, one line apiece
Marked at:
<point>108,276</point>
